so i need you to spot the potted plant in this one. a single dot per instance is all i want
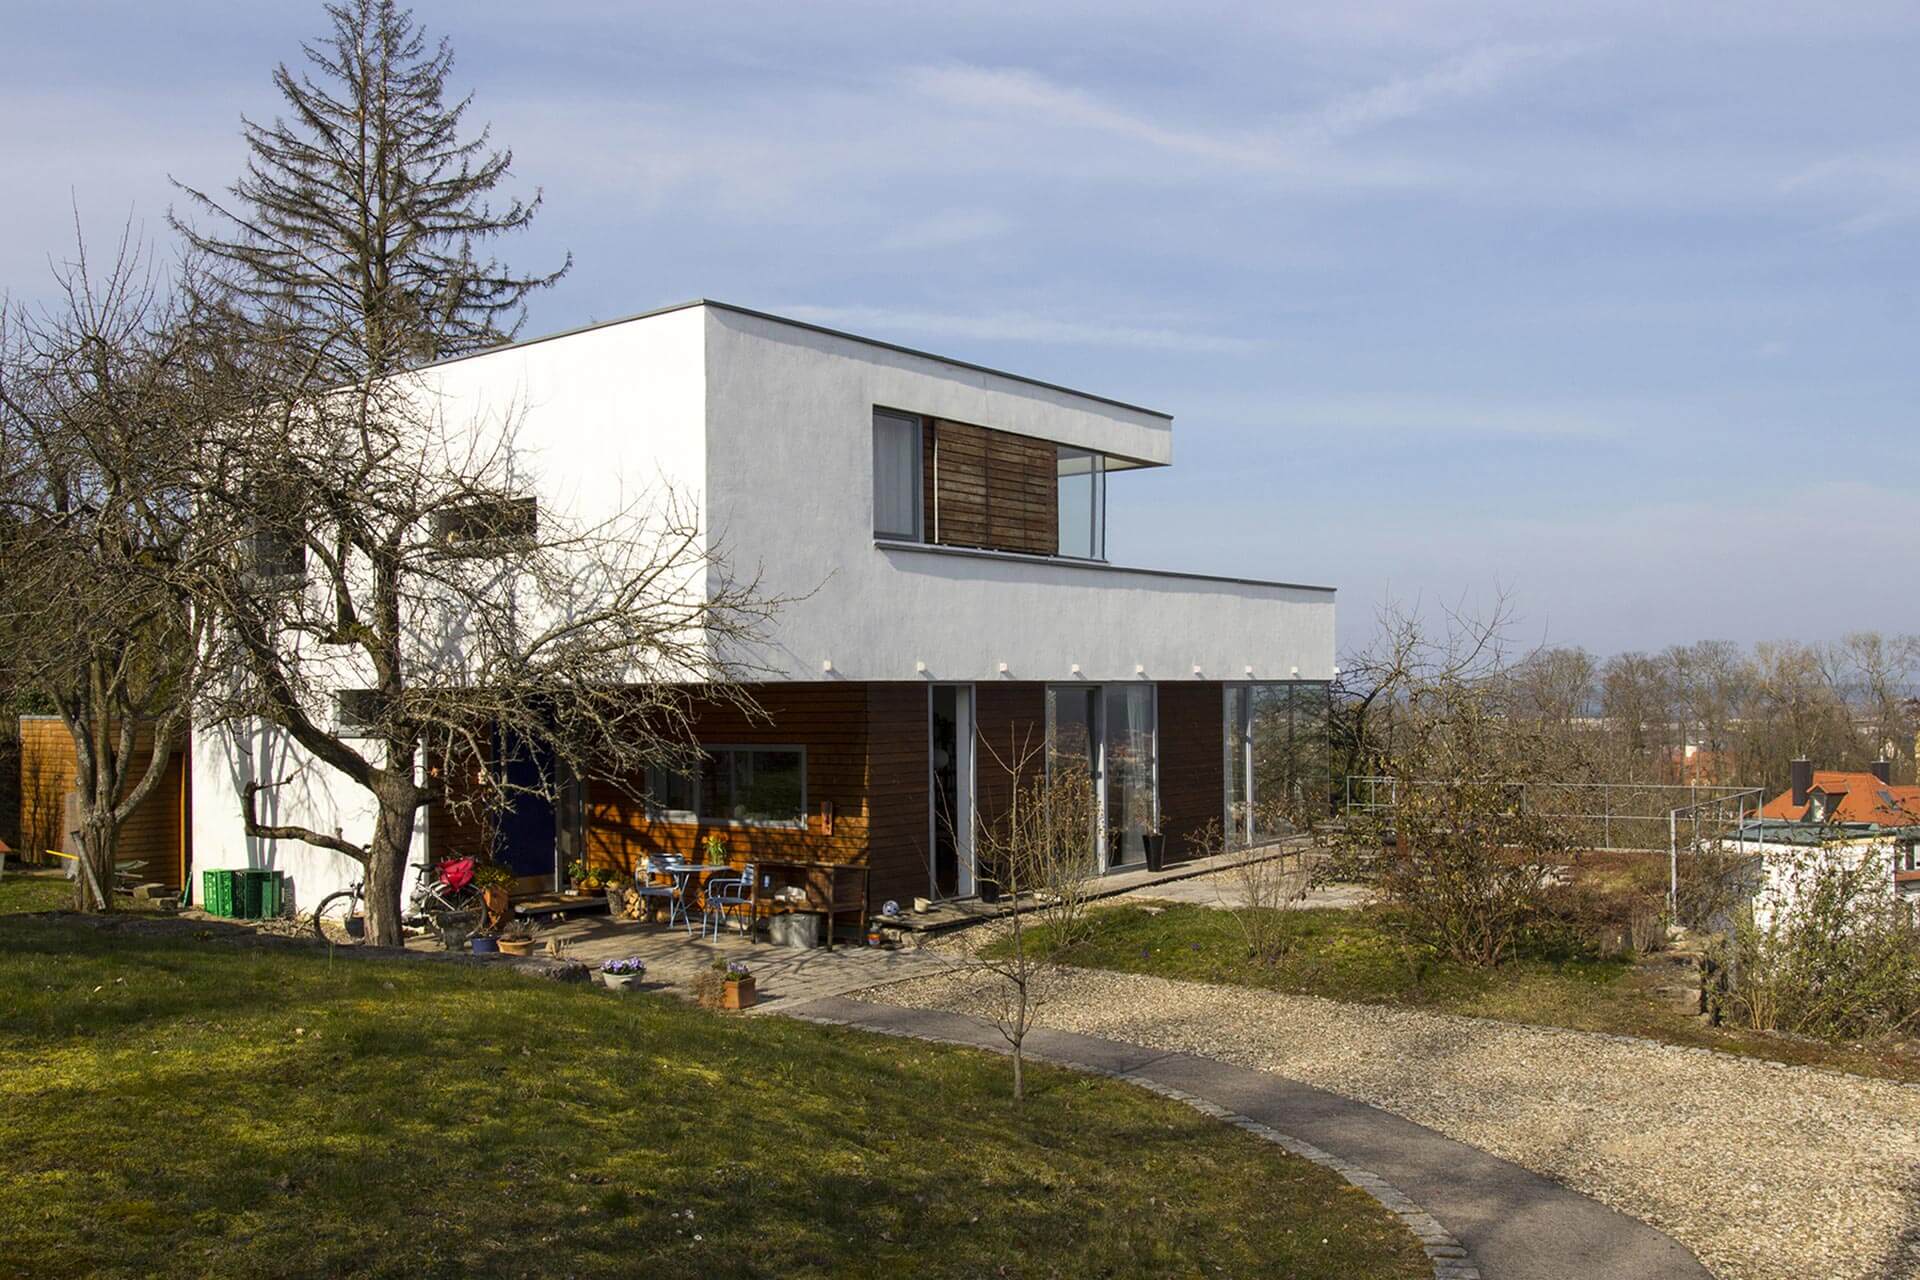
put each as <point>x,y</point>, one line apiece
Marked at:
<point>516,939</point>
<point>496,892</point>
<point>716,851</point>
<point>737,989</point>
<point>483,944</point>
<point>623,974</point>
<point>1156,844</point>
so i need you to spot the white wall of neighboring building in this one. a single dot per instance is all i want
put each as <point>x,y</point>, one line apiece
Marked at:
<point>1788,871</point>
<point>790,469</point>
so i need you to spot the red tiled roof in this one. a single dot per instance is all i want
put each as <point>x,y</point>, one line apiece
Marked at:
<point>1852,797</point>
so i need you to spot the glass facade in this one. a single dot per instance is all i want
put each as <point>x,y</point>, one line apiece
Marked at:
<point>1110,734</point>
<point>1082,480</point>
<point>1278,762</point>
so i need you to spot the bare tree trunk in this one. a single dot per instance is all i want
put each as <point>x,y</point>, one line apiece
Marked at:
<point>387,863</point>
<point>99,849</point>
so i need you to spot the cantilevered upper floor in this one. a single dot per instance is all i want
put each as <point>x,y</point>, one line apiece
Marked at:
<point>925,518</point>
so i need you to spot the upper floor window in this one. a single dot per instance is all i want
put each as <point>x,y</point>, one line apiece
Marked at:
<point>896,476</point>
<point>357,713</point>
<point>488,526</point>
<point>1082,505</point>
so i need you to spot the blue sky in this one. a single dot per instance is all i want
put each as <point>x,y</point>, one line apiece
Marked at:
<point>1613,306</point>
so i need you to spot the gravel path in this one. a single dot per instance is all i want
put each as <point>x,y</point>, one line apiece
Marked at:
<point>1765,1171</point>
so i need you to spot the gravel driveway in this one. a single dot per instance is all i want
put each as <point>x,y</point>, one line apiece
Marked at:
<point>1764,1171</point>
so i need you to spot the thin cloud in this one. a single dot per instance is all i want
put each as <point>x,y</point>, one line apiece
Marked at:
<point>1018,327</point>
<point>1474,74</point>
<point>947,230</point>
<point>1015,89</point>
<point>1887,183</point>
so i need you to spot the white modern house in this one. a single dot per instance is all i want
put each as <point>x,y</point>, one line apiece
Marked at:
<point>941,528</point>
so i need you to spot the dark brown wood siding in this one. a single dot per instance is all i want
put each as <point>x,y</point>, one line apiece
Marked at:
<point>990,489</point>
<point>461,830</point>
<point>898,819</point>
<point>828,719</point>
<point>1192,764</point>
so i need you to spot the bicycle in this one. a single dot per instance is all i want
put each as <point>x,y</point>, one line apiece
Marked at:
<point>434,904</point>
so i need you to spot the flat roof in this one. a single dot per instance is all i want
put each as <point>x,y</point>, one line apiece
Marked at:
<point>812,328</point>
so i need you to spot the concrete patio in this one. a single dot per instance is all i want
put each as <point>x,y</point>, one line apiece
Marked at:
<point>783,976</point>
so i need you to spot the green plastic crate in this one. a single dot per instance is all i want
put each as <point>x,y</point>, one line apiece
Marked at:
<point>216,893</point>
<point>257,894</point>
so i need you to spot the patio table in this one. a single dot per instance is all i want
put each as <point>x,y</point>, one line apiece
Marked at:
<point>683,875</point>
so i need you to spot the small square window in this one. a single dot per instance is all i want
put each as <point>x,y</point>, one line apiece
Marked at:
<point>357,712</point>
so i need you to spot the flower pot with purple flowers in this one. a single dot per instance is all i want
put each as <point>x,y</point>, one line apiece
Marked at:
<point>623,974</point>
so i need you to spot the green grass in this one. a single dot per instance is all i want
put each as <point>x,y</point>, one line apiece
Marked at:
<point>196,1102</point>
<point>1360,955</point>
<point>34,892</point>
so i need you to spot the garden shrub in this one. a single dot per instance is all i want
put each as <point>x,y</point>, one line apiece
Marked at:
<point>1829,952</point>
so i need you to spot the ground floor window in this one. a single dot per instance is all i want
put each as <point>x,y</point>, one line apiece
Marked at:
<point>751,786</point>
<point>1278,766</point>
<point>1110,733</point>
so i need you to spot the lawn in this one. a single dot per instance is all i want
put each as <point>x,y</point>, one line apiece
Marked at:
<point>186,1101</point>
<point>1361,955</point>
<point>34,892</point>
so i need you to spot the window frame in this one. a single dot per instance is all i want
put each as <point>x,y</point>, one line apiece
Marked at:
<point>709,753</point>
<point>918,504</point>
<point>354,723</point>
<point>1096,479</point>
<point>515,523</point>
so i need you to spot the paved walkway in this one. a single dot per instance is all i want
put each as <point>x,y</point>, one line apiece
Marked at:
<point>1515,1225</point>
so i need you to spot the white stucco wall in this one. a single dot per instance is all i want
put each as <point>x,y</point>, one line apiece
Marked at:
<point>315,795</point>
<point>603,421</point>
<point>1789,871</point>
<point>790,470</point>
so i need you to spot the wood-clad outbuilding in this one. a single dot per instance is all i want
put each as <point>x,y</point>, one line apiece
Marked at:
<point>160,831</point>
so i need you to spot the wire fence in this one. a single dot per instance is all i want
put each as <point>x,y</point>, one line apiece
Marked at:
<point>1649,817</point>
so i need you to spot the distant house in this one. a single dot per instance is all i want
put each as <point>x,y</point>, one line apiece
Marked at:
<point>1862,813</point>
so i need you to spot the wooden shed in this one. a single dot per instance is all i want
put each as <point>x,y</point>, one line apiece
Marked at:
<point>159,833</point>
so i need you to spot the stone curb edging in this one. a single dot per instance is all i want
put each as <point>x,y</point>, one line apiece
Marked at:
<point>1446,1254</point>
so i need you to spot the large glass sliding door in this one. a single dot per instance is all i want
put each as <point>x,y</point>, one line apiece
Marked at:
<point>950,763</point>
<point>1107,733</point>
<point>1278,762</point>
<point>1132,802</point>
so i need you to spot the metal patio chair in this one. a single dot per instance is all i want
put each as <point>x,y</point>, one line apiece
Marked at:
<point>647,888</point>
<point>728,894</point>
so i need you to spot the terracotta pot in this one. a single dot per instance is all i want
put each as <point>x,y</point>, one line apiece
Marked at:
<point>737,994</point>
<point>516,946</point>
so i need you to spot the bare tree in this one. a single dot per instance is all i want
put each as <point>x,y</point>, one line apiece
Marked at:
<point>405,606</point>
<point>412,619</point>
<point>101,401</point>
<point>1459,849</point>
<point>1040,850</point>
